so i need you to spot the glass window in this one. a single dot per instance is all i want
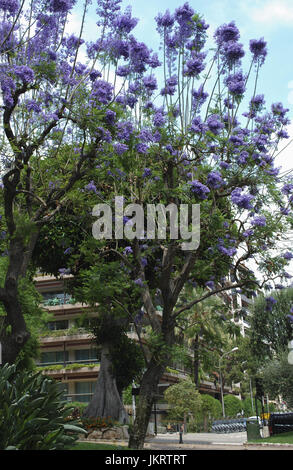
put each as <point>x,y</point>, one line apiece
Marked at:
<point>84,391</point>
<point>56,298</point>
<point>58,325</point>
<point>86,355</point>
<point>54,357</point>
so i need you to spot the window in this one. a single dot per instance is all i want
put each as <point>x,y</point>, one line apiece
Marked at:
<point>58,325</point>
<point>86,355</point>
<point>54,357</point>
<point>84,391</point>
<point>56,298</point>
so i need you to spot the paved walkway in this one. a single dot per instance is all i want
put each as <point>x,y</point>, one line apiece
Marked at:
<point>208,441</point>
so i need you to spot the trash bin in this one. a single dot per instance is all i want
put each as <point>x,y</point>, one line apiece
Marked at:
<point>253,430</point>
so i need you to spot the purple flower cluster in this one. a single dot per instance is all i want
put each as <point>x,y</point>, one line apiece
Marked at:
<point>214,124</point>
<point>102,91</point>
<point>214,180</point>
<point>61,6</point>
<point>199,97</point>
<point>195,65</point>
<point>243,201</point>
<point>120,148</point>
<point>236,83</point>
<point>124,22</point>
<point>259,50</point>
<point>199,189</point>
<point>226,33</point>
<point>259,221</point>
<point>25,73</point>
<point>10,6</point>
<point>270,302</point>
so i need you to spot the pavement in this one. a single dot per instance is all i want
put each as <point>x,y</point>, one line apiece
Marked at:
<point>209,441</point>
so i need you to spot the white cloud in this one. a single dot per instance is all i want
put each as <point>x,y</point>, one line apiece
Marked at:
<point>270,12</point>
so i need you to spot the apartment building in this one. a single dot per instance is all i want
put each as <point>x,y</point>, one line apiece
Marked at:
<point>69,353</point>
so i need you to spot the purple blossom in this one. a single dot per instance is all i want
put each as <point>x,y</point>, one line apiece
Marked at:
<point>233,52</point>
<point>199,189</point>
<point>210,284</point>
<point>124,130</point>
<point>236,83</point>
<point>195,65</point>
<point>227,32</point>
<point>214,180</point>
<point>288,255</point>
<point>214,124</point>
<point>248,233</point>
<point>270,302</point>
<point>197,125</point>
<point>243,201</point>
<point>11,6</point>
<point>91,187</point>
<point>279,110</point>
<point>102,91</point>
<point>150,83</point>
<point>147,173</point>
<point>124,22</point>
<point>159,119</point>
<point>139,282</point>
<point>33,106</point>
<point>25,73</point>
<point>258,49</point>
<point>199,97</point>
<point>284,210</point>
<point>120,148</point>
<point>259,221</point>
<point>123,70</point>
<point>170,87</point>
<point>145,135</point>
<point>61,6</point>
<point>287,188</point>
<point>110,116</point>
<point>165,21</point>
<point>128,250</point>
<point>142,148</point>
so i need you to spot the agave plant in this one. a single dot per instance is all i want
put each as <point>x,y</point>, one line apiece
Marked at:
<point>33,415</point>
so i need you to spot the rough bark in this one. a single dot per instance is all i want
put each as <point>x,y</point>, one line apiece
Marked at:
<point>106,401</point>
<point>148,391</point>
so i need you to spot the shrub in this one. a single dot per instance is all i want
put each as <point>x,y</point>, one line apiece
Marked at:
<point>233,405</point>
<point>91,424</point>
<point>32,415</point>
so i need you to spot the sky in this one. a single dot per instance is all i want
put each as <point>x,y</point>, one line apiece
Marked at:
<point>270,19</point>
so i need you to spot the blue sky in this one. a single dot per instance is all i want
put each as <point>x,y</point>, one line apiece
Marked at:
<point>271,19</point>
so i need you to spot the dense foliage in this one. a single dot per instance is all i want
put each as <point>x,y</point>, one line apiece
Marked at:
<point>32,413</point>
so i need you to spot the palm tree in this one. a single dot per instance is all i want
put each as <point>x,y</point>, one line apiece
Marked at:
<point>208,330</point>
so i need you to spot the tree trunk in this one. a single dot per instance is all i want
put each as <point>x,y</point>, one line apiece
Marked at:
<point>106,401</point>
<point>196,362</point>
<point>148,391</point>
<point>13,333</point>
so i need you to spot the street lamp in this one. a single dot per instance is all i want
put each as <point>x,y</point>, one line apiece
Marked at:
<point>222,396</point>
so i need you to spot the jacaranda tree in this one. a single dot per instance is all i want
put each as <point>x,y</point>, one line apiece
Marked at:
<point>56,114</point>
<point>186,128</point>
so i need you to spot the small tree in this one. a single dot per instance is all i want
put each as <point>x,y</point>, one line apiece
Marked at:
<point>183,399</point>
<point>233,405</point>
<point>210,409</point>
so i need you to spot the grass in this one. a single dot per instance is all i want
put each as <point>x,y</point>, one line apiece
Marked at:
<point>93,446</point>
<point>283,438</point>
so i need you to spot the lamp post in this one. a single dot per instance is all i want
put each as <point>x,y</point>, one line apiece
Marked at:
<point>222,396</point>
